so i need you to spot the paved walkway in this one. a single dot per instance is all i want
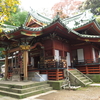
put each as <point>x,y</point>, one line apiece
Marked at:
<point>28,98</point>
<point>95,84</point>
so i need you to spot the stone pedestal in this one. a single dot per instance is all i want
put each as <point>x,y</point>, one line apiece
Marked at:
<point>16,78</point>
<point>16,74</point>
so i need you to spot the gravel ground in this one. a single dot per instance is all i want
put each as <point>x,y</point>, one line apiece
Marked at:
<point>87,93</point>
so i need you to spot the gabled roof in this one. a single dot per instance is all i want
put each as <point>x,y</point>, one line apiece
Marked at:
<point>79,20</point>
<point>71,24</point>
<point>38,17</point>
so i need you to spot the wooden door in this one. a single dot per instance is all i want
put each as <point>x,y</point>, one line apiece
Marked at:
<point>80,55</point>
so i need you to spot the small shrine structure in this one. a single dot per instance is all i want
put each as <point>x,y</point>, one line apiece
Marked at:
<point>49,46</point>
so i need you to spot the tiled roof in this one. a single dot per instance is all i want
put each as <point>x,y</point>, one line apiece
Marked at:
<point>68,23</point>
<point>79,20</point>
<point>40,17</point>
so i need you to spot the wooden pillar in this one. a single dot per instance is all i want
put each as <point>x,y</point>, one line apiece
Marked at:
<point>25,63</point>
<point>86,69</point>
<point>6,64</point>
<point>53,48</point>
<point>99,69</point>
<point>6,67</point>
<point>57,74</point>
<point>25,49</point>
<point>63,55</point>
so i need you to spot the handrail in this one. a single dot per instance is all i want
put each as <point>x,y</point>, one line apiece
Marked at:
<point>52,65</point>
<point>40,76</point>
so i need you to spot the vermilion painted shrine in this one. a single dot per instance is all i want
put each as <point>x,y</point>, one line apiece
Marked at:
<point>51,45</point>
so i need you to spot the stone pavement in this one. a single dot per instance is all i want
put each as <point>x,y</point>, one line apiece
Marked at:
<point>21,84</point>
<point>34,97</point>
<point>28,98</point>
<point>95,84</point>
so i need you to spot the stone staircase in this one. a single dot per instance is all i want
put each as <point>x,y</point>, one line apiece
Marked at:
<point>78,78</point>
<point>21,90</point>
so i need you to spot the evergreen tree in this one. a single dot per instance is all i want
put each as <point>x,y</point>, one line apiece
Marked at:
<point>17,19</point>
<point>1,55</point>
<point>94,5</point>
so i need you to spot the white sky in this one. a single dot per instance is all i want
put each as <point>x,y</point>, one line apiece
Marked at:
<point>38,4</point>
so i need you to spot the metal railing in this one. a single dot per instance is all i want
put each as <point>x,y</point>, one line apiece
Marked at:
<point>52,65</point>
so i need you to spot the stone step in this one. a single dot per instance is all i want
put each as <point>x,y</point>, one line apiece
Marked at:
<point>95,84</point>
<point>88,83</point>
<point>75,72</point>
<point>17,90</point>
<point>23,86</point>
<point>80,77</point>
<point>24,95</point>
<point>78,73</point>
<point>85,80</point>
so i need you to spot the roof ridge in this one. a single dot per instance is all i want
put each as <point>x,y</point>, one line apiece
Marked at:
<point>73,17</point>
<point>44,16</point>
<point>26,19</point>
<point>40,17</point>
<point>5,25</point>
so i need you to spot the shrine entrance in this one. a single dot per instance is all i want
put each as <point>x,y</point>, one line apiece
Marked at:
<point>22,58</point>
<point>36,61</point>
<point>36,55</point>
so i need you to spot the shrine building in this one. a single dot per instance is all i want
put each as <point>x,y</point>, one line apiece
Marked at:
<point>49,46</point>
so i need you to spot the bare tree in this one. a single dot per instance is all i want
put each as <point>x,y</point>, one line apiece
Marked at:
<point>66,8</point>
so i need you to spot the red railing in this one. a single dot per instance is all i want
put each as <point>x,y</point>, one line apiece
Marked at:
<point>89,66</point>
<point>95,69</point>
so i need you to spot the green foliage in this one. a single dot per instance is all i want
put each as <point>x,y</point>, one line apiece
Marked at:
<point>17,18</point>
<point>94,5</point>
<point>1,55</point>
<point>98,19</point>
<point>6,8</point>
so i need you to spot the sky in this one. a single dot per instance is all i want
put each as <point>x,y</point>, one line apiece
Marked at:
<point>38,4</point>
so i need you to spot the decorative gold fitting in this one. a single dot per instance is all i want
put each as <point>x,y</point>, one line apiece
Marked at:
<point>4,52</point>
<point>25,47</point>
<point>86,40</point>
